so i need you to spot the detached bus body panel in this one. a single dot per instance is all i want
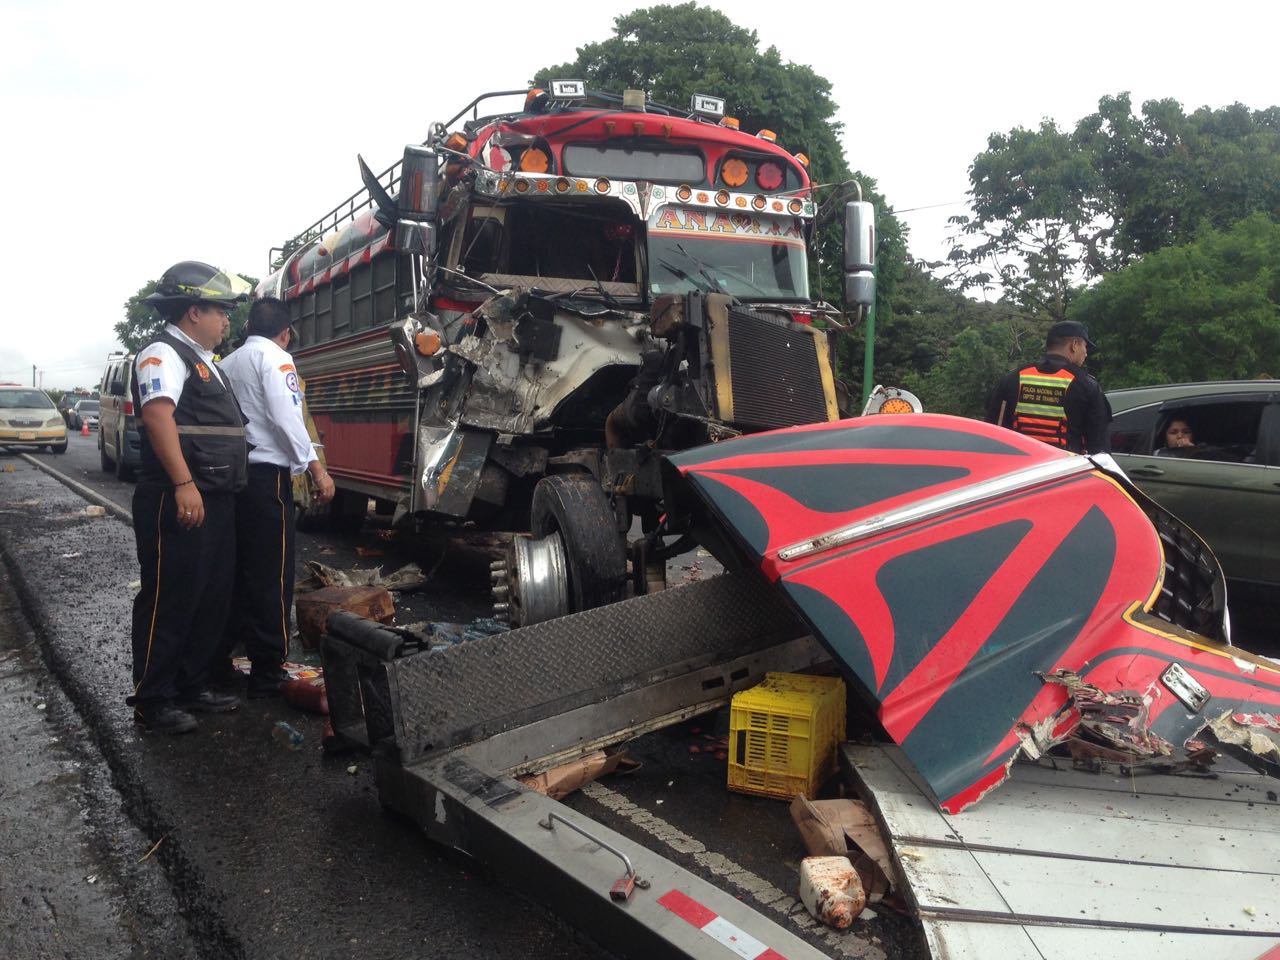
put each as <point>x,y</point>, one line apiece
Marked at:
<point>991,596</point>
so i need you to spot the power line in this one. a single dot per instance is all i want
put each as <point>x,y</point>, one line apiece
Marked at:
<point>16,372</point>
<point>933,206</point>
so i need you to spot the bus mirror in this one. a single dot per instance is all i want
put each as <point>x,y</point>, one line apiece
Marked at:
<point>859,253</point>
<point>859,236</point>
<point>859,288</point>
<point>419,179</point>
<point>415,237</point>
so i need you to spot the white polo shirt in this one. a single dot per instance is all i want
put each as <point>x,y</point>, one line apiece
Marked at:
<point>162,373</point>
<point>266,384</point>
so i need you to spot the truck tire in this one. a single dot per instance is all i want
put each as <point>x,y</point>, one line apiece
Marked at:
<point>103,459</point>
<point>574,506</point>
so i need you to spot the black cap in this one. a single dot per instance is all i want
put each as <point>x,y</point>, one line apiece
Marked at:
<point>1065,329</point>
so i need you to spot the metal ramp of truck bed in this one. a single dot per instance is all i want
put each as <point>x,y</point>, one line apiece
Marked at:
<point>450,728</point>
<point>1061,863</point>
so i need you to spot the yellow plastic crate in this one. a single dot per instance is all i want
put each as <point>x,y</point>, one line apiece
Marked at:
<point>783,734</point>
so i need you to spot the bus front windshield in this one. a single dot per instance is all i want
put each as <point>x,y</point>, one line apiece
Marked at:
<point>750,269</point>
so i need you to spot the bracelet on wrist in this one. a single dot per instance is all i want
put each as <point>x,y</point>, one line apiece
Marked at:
<point>184,482</point>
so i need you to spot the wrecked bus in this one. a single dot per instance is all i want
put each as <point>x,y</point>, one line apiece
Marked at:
<point>510,326</point>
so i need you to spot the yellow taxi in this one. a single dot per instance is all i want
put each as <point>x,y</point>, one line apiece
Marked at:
<point>28,418</point>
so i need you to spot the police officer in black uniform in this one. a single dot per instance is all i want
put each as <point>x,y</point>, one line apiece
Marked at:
<point>194,459</point>
<point>1055,400</point>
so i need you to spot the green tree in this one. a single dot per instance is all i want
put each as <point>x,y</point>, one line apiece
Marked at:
<point>1052,209</point>
<point>674,51</point>
<point>141,321</point>
<point>979,342</point>
<point>1206,310</point>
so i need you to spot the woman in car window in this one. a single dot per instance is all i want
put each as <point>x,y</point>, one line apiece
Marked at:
<point>1179,439</point>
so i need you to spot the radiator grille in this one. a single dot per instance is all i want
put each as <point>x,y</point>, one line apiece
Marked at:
<point>774,372</point>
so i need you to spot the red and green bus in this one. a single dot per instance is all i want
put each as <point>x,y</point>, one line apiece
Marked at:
<point>510,326</point>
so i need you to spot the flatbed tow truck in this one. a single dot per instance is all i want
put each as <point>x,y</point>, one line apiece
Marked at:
<point>1003,612</point>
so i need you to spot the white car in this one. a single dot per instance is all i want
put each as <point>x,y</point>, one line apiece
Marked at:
<point>28,418</point>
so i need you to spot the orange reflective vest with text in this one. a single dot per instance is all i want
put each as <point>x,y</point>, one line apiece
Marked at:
<point>1039,412</point>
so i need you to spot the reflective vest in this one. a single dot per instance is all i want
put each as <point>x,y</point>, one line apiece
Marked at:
<point>210,429</point>
<point>1039,411</point>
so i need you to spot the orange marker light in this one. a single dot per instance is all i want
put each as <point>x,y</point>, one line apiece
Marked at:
<point>896,405</point>
<point>534,160</point>
<point>427,343</point>
<point>768,135</point>
<point>734,173</point>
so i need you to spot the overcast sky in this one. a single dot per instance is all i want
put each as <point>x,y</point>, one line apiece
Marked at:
<point>138,134</point>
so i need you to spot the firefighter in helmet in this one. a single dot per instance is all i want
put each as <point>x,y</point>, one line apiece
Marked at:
<point>194,459</point>
<point>1056,400</point>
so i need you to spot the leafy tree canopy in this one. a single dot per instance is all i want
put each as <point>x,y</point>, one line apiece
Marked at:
<point>1206,310</point>
<point>674,51</point>
<point>1053,208</point>
<point>141,321</point>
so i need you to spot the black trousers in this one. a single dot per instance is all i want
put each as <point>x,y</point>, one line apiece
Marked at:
<point>263,591</point>
<point>180,613</point>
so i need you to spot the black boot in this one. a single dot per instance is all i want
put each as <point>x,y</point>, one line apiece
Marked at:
<point>163,717</point>
<point>207,701</point>
<point>267,682</point>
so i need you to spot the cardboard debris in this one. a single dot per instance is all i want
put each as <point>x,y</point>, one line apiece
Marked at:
<point>314,608</point>
<point>408,577</point>
<point>846,828</point>
<point>558,782</point>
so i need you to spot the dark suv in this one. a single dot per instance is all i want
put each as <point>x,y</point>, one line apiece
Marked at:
<point>118,443</point>
<point>1224,480</point>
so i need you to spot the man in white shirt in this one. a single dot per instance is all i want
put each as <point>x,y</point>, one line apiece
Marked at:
<point>266,384</point>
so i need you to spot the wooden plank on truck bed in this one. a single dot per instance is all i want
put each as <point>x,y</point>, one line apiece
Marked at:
<point>1055,860</point>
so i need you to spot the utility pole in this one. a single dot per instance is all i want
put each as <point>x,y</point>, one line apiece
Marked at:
<point>33,374</point>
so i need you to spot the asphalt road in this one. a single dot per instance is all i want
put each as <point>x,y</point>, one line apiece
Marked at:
<point>261,851</point>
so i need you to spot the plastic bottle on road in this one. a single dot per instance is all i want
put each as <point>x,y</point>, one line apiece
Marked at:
<point>287,735</point>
